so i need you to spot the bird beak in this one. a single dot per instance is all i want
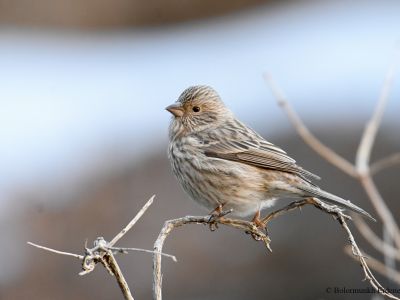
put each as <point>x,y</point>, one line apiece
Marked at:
<point>175,109</point>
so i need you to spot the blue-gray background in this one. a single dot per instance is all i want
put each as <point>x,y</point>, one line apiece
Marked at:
<point>83,137</point>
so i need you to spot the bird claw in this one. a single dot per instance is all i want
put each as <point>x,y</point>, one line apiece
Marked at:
<point>216,215</point>
<point>213,225</point>
<point>259,227</point>
<point>259,232</point>
<point>262,236</point>
<point>259,224</point>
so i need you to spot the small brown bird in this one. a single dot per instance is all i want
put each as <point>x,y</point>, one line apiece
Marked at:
<point>221,162</point>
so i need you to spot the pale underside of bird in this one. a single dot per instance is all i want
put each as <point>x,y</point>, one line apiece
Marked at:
<point>221,162</point>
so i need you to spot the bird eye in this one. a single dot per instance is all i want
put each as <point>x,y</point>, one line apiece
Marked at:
<point>196,108</point>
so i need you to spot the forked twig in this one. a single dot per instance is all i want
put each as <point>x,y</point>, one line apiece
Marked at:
<point>371,129</point>
<point>363,158</point>
<point>341,217</point>
<point>384,163</point>
<point>382,209</point>
<point>310,139</point>
<point>361,170</point>
<point>132,222</point>
<point>374,240</point>
<point>170,225</point>
<point>379,267</point>
<point>80,257</point>
<point>103,252</point>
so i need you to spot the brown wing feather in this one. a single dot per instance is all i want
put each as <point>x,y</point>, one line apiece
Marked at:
<point>257,153</point>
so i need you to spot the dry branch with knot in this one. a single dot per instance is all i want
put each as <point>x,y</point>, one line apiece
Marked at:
<point>362,171</point>
<point>258,235</point>
<point>104,252</point>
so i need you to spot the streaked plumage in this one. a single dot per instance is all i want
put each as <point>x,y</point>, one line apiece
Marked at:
<point>218,160</point>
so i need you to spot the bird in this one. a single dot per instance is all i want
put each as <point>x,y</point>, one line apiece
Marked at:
<point>222,163</point>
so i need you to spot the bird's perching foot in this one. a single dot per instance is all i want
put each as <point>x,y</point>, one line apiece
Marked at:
<point>259,223</point>
<point>216,215</point>
<point>261,227</point>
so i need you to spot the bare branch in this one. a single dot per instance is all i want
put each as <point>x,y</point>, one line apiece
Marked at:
<point>131,223</point>
<point>124,249</point>
<point>363,157</point>
<point>381,208</point>
<point>360,171</point>
<point>371,129</point>
<point>299,204</point>
<point>110,263</point>
<point>379,267</point>
<point>324,151</point>
<point>374,240</point>
<point>80,257</point>
<point>102,252</point>
<point>170,225</point>
<point>384,163</point>
<point>99,253</point>
<point>367,271</point>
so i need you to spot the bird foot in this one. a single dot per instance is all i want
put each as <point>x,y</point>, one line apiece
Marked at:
<point>259,225</point>
<point>216,215</point>
<point>259,232</point>
<point>257,237</point>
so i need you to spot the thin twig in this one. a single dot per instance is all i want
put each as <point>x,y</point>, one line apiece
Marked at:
<point>384,163</point>
<point>133,222</point>
<point>379,267</point>
<point>80,257</point>
<point>381,208</point>
<point>371,129</point>
<point>110,263</point>
<point>324,151</point>
<point>367,271</point>
<point>298,205</point>
<point>374,240</point>
<point>389,261</point>
<point>124,249</point>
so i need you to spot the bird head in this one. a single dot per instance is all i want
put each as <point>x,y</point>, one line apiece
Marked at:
<point>198,108</point>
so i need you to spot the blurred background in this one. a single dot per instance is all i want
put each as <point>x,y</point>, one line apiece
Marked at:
<point>83,137</point>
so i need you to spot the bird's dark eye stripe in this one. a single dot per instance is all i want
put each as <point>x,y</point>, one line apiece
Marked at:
<point>196,108</point>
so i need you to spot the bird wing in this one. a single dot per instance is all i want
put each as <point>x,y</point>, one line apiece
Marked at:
<point>253,150</point>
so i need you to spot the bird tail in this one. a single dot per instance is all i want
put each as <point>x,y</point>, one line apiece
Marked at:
<point>332,199</point>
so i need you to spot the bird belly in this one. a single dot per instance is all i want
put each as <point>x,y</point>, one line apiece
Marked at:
<point>212,182</point>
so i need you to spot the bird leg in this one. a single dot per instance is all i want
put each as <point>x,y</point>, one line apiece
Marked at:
<point>258,222</point>
<point>256,218</point>
<point>216,215</point>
